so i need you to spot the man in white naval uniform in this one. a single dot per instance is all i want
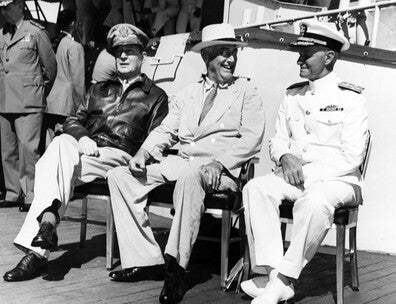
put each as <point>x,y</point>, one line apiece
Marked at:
<point>321,131</point>
<point>216,124</point>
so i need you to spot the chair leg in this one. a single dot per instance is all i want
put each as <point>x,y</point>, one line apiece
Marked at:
<point>353,257</point>
<point>283,233</point>
<point>109,236</point>
<point>225,246</point>
<point>340,263</point>
<point>84,218</point>
<point>244,251</point>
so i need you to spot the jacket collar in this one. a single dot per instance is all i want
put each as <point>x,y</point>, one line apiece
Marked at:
<point>144,82</point>
<point>222,104</point>
<point>208,83</point>
<point>324,84</point>
<point>21,32</point>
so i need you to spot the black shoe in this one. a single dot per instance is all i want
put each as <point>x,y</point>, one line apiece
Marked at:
<point>174,285</point>
<point>30,267</point>
<point>46,237</point>
<point>24,208</point>
<point>135,274</point>
<point>9,204</point>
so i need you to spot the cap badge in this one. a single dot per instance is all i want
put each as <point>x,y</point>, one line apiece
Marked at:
<point>303,30</point>
<point>124,32</point>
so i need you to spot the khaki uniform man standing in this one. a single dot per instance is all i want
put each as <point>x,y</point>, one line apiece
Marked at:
<point>27,66</point>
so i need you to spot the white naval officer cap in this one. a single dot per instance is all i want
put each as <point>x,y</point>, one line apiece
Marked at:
<point>313,32</point>
<point>5,2</point>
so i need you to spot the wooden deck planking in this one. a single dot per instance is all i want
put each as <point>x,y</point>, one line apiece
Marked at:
<point>78,275</point>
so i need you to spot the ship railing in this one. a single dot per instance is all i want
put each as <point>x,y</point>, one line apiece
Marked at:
<point>327,13</point>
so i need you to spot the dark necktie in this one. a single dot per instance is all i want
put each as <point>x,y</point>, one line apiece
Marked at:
<point>208,104</point>
<point>9,28</point>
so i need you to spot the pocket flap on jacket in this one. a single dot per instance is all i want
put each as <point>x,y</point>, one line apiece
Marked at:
<point>330,118</point>
<point>33,80</point>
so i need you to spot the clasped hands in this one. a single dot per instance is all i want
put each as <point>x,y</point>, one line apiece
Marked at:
<point>292,169</point>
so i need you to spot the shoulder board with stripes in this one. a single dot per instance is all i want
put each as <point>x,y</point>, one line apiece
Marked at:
<point>351,87</point>
<point>36,24</point>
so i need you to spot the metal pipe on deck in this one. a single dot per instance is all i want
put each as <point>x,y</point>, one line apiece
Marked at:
<point>375,27</point>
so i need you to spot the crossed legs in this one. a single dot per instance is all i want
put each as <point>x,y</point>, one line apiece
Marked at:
<point>57,172</point>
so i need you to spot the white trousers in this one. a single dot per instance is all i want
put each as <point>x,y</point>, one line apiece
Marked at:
<point>138,247</point>
<point>57,172</point>
<point>312,217</point>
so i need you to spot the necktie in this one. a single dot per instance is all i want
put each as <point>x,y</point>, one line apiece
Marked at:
<point>9,28</point>
<point>208,104</point>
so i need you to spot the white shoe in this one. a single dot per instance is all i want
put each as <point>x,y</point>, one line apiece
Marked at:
<point>275,292</point>
<point>255,286</point>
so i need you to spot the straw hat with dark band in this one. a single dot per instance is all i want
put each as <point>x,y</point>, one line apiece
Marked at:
<point>217,34</point>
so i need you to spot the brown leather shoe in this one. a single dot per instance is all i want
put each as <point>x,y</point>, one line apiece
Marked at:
<point>135,274</point>
<point>30,267</point>
<point>46,237</point>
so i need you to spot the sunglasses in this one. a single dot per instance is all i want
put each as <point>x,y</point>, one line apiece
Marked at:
<point>129,51</point>
<point>227,52</point>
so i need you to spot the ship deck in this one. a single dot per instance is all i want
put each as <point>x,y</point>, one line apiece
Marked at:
<point>80,276</point>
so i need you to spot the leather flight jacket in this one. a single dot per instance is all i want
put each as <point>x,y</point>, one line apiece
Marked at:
<point>113,118</point>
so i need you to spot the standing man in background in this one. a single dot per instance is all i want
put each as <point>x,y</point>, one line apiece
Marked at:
<point>27,68</point>
<point>190,14</point>
<point>68,90</point>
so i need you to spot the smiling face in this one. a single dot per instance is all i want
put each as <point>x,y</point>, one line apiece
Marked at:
<point>129,59</point>
<point>220,62</point>
<point>315,62</point>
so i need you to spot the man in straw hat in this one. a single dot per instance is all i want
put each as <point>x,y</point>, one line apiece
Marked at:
<point>214,125</point>
<point>318,147</point>
<point>27,71</point>
<point>107,130</point>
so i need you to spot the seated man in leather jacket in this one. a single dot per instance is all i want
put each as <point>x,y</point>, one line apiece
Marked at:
<point>107,130</point>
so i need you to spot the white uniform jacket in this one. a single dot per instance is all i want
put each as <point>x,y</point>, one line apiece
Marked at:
<point>325,123</point>
<point>231,132</point>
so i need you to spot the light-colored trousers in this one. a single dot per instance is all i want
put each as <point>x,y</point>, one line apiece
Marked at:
<point>185,17</point>
<point>20,138</point>
<point>129,199</point>
<point>165,18</point>
<point>312,217</point>
<point>57,172</point>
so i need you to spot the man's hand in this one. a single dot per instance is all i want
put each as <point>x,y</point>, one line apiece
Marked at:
<point>88,147</point>
<point>197,12</point>
<point>213,170</point>
<point>292,169</point>
<point>137,165</point>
